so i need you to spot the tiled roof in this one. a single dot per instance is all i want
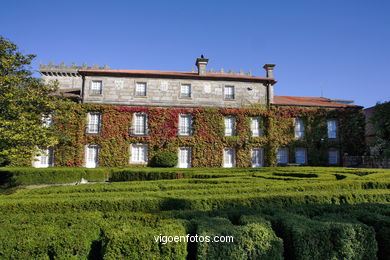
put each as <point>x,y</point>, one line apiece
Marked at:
<point>309,101</point>
<point>178,74</point>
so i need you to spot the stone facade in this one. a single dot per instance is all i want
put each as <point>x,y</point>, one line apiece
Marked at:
<point>163,88</point>
<point>166,92</point>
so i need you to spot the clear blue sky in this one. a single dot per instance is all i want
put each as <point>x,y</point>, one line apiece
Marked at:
<point>339,47</point>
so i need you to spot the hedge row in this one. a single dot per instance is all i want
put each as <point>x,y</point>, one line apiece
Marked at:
<point>32,176</point>
<point>319,232</point>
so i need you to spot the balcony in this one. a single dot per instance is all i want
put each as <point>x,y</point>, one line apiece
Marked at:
<point>185,131</point>
<point>92,129</point>
<point>138,131</point>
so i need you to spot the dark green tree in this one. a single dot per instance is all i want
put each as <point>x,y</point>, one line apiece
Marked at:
<point>24,102</point>
<point>380,120</point>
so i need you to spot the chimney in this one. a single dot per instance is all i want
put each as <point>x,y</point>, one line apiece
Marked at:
<point>269,68</point>
<point>201,63</point>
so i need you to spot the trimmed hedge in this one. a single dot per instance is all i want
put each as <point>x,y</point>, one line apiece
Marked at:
<point>164,159</point>
<point>313,239</point>
<point>252,241</point>
<point>143,175</point>
<point>33,176</point>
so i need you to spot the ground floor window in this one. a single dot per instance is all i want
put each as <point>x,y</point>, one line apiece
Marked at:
<point>91,156</point>
<point>333,156</point>
<point>139,153</point>
<point>257,155</point>
<point>229,158</point>
<point>184,157</point>
<point>44,159</point>
<point>282,156</point>
<point>300,156</point>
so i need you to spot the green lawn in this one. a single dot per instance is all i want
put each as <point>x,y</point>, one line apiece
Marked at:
<point>290,212</point>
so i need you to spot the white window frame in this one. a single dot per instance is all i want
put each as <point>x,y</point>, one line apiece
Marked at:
<point>91,152</point>
<point>141,89</point>
<point>333,154</point>
<point>257,152</point>
<point>282,158</point>
<point>140,129</point>
<point>94,122</point>
<point>299,128</point>
<point>136,157</point>
<point>185,90</point>
<point>185,124</point>
<point>256,127</point>
<point>229,92</point>
<point>230,126</point>
<point>44,158</point>
<point>184,157</point>
<point>332,133</point>
<point>96,87</point>
<point>297,151</point>
<point>229,157</point>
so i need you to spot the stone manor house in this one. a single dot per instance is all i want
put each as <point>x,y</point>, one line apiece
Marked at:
<point>241,144</point>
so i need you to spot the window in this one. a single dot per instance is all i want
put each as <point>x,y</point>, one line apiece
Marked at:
<point>140,124</point>
<point>140,89</point>
<point>299,128</point>
<point>300,155</point>
<point>93,126</point>
<point>185,124</point>
<point>229,158</point>
<point>332,129</point>
<point>229,92</point>
<point>47,120</point>
<point>44,158</point>
<point>230,126</point>
<point>333,156</point>
<point>91,156</point>
<point>256,126</point>
<point>282,156</point>
<point>185,90</point>
<point>257,157</point>
<point>96,87</point>
<point>139,153</point>
<point>184,157</point>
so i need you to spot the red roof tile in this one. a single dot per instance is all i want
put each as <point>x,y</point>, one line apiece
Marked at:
<point>308,101</point>
<point>209,75</point>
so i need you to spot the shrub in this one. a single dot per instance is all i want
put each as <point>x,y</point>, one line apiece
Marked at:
<point>164,159</point>
<point>142,175</point>
<point>313,239</point>
<point>252,241</point>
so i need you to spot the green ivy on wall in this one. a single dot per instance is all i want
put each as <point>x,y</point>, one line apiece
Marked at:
<point>208,140</point>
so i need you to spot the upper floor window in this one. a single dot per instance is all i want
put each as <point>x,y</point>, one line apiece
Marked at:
<point>96,87</point>
<point>332,129</point>
<point>139,153</point>
<point>300,156</point>
<point>185,90</point>
<point>230,126</point>
<point>185,122</point>
<point>47,120</point>
<point>140,89</point>
<point>229,92</point>
<point>256,126</point>
<point>140,124</point>
<point>93,126</point>
<point>282,156</point>
<point>299,128</point>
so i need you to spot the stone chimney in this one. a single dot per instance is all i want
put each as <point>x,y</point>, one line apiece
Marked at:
<point>201,63</point>
<point>269,68</point>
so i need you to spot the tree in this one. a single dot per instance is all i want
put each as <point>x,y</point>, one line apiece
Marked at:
<point>24,101</point>
<point>380,119</point>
